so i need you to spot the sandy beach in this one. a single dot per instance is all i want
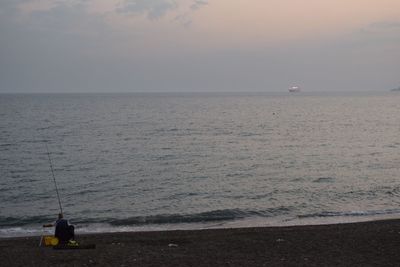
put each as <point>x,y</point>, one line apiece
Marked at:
<point>374,243</point>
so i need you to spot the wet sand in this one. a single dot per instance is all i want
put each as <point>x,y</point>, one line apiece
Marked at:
<point>357,244</point>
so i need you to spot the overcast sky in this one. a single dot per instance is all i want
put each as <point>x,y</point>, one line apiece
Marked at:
<point>198,45</point>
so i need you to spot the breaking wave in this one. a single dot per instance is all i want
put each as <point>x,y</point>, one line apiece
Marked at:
<point>210,216</point>
<point>202,217</point>
<point>350,213</point>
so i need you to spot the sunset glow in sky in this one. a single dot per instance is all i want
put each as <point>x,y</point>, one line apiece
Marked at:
<point>198,45</point>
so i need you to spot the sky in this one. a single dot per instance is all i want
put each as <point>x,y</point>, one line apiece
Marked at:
<point>199,45</point>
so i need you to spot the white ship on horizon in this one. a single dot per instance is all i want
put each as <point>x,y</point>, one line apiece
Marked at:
<point>294,89</point>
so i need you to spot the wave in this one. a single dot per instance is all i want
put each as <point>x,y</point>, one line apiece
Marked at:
<point>31,226</point>
<point>217,215</point>
<point>224,215</point>
<point>202,217</point>
<point>350,213</point>
<point>22,221</point>
<point>324,180</point>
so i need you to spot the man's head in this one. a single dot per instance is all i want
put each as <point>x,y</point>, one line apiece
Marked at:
<point>60,216</point>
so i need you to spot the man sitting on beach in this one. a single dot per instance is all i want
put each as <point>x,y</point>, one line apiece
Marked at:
<point>64,231</point>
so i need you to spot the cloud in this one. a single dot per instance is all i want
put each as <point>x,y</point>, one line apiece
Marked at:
<point>381,27</point>
<point>381,32</point>
<point>198,4</point>
<point>385,25</point>
<point>121,10</point>
<point>156,9</point>
<point>186,18</point>
<point>153,9</point>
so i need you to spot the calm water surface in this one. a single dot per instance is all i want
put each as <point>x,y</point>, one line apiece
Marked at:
<point>177,161</point>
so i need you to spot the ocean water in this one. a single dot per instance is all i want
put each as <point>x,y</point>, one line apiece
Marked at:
<point>134,162</point>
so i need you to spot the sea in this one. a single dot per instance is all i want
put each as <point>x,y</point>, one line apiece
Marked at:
<point>176,161</point>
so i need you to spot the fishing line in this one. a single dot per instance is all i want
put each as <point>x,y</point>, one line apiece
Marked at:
<point>54,178</point>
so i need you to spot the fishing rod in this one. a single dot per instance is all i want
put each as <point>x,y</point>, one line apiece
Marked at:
<point>54,178</point>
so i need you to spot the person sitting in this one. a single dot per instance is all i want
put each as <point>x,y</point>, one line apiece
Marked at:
<point>63,230</point>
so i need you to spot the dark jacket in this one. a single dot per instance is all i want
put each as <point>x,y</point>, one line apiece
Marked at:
<point>64,232</point>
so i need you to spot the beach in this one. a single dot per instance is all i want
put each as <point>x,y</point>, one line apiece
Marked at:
<point>374,243</point>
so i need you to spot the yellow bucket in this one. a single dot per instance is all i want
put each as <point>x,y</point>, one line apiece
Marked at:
<point>50,241</point>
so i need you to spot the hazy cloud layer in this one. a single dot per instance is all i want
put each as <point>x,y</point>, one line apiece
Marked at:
<point>152,9</point>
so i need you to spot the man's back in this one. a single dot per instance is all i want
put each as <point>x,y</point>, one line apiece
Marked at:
<point>62,231</point>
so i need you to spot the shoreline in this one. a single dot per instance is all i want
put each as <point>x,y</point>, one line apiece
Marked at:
<point>372,243</point>
<point>255,222</point>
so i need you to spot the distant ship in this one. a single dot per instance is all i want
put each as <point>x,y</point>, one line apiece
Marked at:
<point>294,89</point>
